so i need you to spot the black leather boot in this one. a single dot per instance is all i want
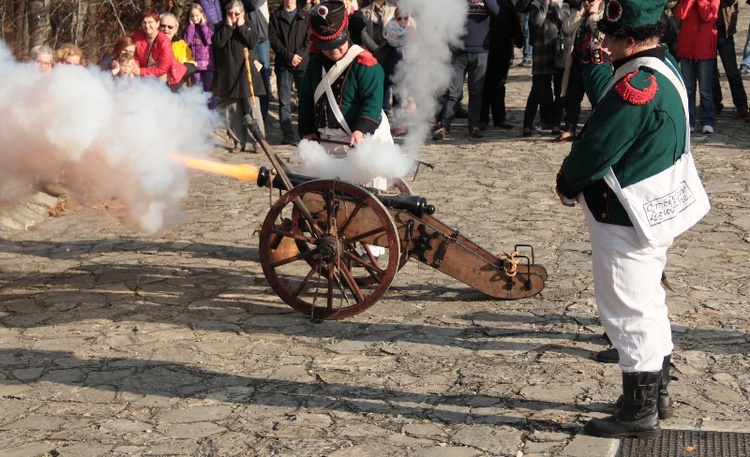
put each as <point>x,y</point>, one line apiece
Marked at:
<point>664,404</point>
<point>638,417</point>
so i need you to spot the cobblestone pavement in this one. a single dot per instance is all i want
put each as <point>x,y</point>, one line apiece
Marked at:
<point>114,343</point>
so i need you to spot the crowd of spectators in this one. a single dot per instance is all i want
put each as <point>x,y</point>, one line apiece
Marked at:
<point>205,44</point>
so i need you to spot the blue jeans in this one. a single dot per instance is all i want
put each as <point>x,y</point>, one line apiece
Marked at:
<point>264,56</point>
<point>475,63</point>
<point>526,44</point>
<point>284,79</point>
<point>725,48</point>
<point>699,72</point>
<point>746,53</point>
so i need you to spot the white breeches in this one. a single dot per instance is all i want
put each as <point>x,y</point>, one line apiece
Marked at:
<point>629,295</point>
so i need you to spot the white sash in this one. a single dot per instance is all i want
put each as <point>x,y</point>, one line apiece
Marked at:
<point>383,132</point>
<point>664,205</point>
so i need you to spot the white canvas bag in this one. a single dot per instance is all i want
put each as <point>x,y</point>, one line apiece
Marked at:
<point>665,205</point>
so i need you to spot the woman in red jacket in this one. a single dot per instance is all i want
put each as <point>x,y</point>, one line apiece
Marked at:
<point>696,48</point>
<point>153,51</point>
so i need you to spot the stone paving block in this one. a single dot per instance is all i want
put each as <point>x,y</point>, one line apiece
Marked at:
<point>500,440</point>
<point>584,445</point>
<point>195,414</point>
<point>27,450</point>
<point>446,451</point>
<point>36,422</point>
<point>193,431</point>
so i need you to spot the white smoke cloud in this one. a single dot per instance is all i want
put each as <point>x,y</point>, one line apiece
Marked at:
<point>115,137</point>
<point>363,163</point>
<point>425,71</point>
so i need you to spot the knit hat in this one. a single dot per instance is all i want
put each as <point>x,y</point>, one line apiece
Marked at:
<point>633,13</point>
<point>329,22</point>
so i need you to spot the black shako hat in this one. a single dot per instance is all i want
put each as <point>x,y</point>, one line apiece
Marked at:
<point>329,23</point>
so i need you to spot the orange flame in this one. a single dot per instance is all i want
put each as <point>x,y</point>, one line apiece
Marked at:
<point>243,172</point>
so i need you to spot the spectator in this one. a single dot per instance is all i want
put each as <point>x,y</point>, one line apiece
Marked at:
<point>121,61</point>
<point>696,48</point>
<point>258,15</point>
<point>182,53</point>
<point>70,54</point>
<point>153,51</point>
<point>307,5</point>
<point>581,27</point>
<point>726,25</point>
<point>198,36</point>
<point>546,18</point>
<point>357,27</point>
<point>212,11</point>
<point>522,8</point>
<point>471,58</point>
<point>41,58</point>
<point>236,96</point>
<point>505,29</point>
<point>396,33</point>
<point>376,15</point>
<point>289,34</point>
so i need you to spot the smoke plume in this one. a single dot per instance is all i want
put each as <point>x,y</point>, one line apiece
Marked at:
<point>424,75</point>
<point>425,71</point>
<point>112,138</point>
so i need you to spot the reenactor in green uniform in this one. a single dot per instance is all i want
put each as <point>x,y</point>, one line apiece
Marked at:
<point>637,130</point>
<point>341,97</point>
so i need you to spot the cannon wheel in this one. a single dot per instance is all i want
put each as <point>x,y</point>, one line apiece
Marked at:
<point>368,278</point>
<point>319,279</point>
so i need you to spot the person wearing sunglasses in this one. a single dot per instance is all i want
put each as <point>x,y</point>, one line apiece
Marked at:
<point>169,25</point>
<point>153,51</point>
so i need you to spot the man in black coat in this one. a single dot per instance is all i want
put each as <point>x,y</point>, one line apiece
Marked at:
<point>289,34</point>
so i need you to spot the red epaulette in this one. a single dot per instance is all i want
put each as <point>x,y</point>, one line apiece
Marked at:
<point>367,59</point>
<point>635,95</point>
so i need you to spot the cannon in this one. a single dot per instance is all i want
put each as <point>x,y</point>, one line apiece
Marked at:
<point>331,249</point>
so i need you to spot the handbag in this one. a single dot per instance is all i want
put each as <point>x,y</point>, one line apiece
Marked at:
<point>664,205</point>
<point>561,49</point>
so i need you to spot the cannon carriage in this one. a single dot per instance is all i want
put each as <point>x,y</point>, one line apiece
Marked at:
<point>331,249</point>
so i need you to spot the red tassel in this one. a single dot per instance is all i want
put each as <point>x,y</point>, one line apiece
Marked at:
<point>633,95</point>
<point>367,59</point>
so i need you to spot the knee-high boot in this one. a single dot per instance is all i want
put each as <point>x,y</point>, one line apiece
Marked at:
<point>664,403</point>
<point>638,417</point>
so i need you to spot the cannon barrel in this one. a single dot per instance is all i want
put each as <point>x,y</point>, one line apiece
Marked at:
<point>414,204</point>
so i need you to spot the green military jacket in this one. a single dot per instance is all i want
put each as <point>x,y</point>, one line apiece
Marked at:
<point>358,91</point>
<point>637,129</point>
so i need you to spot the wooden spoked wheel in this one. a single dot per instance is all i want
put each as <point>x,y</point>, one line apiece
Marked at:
<point>348,234</point>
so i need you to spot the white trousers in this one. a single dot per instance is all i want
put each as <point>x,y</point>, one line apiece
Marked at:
<point>629,295</point>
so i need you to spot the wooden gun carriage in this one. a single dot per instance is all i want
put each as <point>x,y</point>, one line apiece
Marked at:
<point>330,248</point>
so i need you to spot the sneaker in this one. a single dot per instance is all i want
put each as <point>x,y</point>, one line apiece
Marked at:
<point>476,133</point>
<point>440,134</point>
<point>708,129</point>
<point>525,63</point>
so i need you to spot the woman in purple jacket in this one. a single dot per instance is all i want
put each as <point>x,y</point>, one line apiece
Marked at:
<point>198,37</point>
